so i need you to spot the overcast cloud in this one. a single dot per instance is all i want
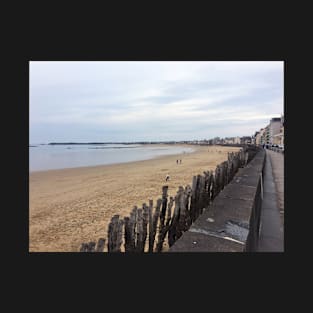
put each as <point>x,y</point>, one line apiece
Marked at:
<point>134,101</point>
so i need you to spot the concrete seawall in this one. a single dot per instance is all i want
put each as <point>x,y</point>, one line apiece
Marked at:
<point>231,223</point>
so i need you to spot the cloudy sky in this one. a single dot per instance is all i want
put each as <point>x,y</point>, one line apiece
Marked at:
<point>134,101</point>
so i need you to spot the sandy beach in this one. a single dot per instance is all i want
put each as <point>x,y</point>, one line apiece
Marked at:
<point>71,206</point>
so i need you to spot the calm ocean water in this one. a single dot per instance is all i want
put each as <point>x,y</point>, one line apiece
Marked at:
<point>46,157</point>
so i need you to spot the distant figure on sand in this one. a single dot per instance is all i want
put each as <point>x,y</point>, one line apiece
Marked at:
<point>167,177</point>
<point>176,161</point>
<point>180,161</point>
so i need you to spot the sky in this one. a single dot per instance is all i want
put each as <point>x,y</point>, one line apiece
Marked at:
<point>151,101</point>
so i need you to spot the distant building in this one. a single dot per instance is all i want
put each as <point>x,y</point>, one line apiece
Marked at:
<point>274,129</point>
<point>273,133</point>
<point>229,140</point>
<point>257,136</point>
<point>246,140</point>
<point>261,136</point>
<point>266,135</point>
<point>216,140</point>
<point>278,138</point>
<point>237,140</point>
<point>253,138</point>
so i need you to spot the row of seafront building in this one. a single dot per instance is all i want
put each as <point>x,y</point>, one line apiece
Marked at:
<point>272,134</point>
<point>219,141</point>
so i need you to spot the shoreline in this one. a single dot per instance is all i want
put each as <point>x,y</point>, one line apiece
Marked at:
<point>75,205</point>
<point>195,147</point>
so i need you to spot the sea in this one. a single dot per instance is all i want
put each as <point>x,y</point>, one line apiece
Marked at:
<point>47,157</point>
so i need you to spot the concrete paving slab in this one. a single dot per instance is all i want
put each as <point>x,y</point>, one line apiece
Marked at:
<point>271,230</point>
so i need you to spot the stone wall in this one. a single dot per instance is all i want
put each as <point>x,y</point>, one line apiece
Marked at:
<point>231,223</point>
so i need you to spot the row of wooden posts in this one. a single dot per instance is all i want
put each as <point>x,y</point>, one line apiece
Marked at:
<point>149,229</point>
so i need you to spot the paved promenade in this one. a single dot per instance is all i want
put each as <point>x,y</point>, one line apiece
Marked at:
<point>272,213</point>
<point>277,160</point>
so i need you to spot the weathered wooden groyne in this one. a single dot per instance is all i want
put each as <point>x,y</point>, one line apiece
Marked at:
<point>156,228</point>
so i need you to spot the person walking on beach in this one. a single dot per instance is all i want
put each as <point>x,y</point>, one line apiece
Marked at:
<point>167,177</point>
<point>176,161</point>
<point>180,161</point>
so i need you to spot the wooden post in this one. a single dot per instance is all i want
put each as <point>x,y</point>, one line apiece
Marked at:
<point>198,195</point>
<point>217,180</point>
<point>111,233</point>
<point>132,225</point>
<point>188,192</point>
<point>172,232</point>
<point>206,184</point>
<point>91,246</point>
<point>150,208</point>
<point>164,203</point>
<point>220,177</point>
<point>115,233</point>
<point>184,216</point>
<point>216,183</point>
<point>227,165</point>
<point>210,186</point>
<point>182,212</point>
<point>100,245</point>
<point>202,194</point>
<point>169,210</point>
<point>119,235</point>
<point>193,199</point>
<point>82,247</point>
<point>224,173</point>
<point>228,172</point>
<point>233,166</point>
<point>163,231</point>
<point>154,225</point>
<point>145,224</point>
<point>140,243</point>
<point>127,235</point>
<point>88,247</point>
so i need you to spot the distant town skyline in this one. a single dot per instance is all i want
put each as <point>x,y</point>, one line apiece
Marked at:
<point>152,101</point>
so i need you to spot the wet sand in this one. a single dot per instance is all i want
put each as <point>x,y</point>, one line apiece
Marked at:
<point>71,206</point>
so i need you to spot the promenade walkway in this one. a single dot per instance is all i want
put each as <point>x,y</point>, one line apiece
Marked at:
<point>272,212</point>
